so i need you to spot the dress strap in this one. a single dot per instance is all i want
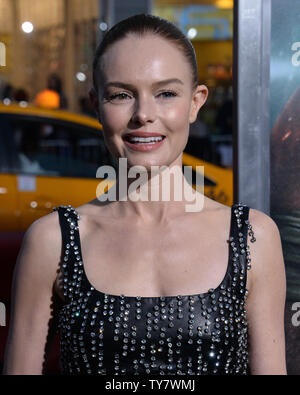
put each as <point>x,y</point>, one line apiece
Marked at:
<point>240,228</point>
<point>70,257</point>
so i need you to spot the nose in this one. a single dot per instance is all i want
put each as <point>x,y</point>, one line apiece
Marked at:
<point>144,111</point>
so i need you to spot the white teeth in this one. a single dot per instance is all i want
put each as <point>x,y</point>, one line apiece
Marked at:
<point>151,140</point>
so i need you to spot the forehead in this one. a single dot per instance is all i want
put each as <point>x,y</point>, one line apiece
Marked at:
<point>144,57</point>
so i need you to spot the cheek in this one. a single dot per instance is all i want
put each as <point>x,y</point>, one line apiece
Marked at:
<point>114,120</point>
<point>177,117</point>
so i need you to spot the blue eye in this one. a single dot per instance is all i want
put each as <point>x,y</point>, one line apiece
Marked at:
<point>124,96</point>
<point>168,94</point>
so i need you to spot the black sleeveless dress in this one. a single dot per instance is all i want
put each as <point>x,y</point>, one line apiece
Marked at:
<point>184,334</point>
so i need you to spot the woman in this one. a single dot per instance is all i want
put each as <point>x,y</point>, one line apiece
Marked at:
<point>148,287</point>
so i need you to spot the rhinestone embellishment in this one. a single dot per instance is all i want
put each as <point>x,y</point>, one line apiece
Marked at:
<point>184,334</point>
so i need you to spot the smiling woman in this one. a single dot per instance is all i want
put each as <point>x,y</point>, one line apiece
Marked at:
<point>127,91</point>
<point>146,287</point>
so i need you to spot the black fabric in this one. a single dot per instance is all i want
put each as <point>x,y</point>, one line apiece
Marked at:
<point>184,334</point>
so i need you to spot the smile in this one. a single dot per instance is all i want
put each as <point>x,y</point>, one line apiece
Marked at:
<point>141,140</point>
<point>144,143</point>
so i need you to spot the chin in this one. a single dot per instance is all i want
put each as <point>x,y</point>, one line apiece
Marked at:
<point>146,163</point>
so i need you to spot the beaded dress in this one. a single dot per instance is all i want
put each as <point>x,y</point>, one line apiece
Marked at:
<point>197,334</point>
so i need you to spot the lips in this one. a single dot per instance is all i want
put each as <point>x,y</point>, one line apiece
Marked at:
<point>142,134</point>
<point>143,141</point>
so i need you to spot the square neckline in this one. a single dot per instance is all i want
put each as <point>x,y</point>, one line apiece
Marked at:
<point>102,294</point>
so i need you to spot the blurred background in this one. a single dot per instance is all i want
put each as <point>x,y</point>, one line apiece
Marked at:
<point>51,44</point>
<point>50,140</point>
<point>51,144</point>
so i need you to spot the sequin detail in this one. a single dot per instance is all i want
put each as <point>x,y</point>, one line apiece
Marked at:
<point>184,334</point>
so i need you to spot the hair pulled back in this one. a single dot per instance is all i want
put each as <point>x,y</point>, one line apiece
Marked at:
<point>142,24</point>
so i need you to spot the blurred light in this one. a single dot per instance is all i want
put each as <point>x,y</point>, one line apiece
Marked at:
<point>47,99</point>
<point>81,77</point>
<point>27,27</point>
<point>103,26</point>
<point>6,101</point>
<point>224,3</point>
<point>23,103</point>
<point>33,204</point>
<point>192,33</point>
<point>287,134</point>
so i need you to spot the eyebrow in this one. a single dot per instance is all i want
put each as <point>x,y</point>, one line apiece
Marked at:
<point>156,84</point>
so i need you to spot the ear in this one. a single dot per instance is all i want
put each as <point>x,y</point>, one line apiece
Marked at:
<point>198,99</point>
<point>95,101</point>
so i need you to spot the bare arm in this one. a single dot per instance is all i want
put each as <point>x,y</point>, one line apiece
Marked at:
<point>266,299</point>
<point>32,292</point>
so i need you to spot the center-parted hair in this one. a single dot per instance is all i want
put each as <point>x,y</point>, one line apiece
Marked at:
<point>143,24</point>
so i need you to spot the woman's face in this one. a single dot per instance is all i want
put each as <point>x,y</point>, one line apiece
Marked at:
<point>147,89</point>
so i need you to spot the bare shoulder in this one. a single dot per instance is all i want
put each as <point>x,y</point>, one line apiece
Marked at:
<point>263,226</point>
<point>265,230</point>
<point>45,230</point>
<point>42,243</point>
<point>266,252</point>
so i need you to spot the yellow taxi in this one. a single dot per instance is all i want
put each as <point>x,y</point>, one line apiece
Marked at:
<point>50,157</point>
